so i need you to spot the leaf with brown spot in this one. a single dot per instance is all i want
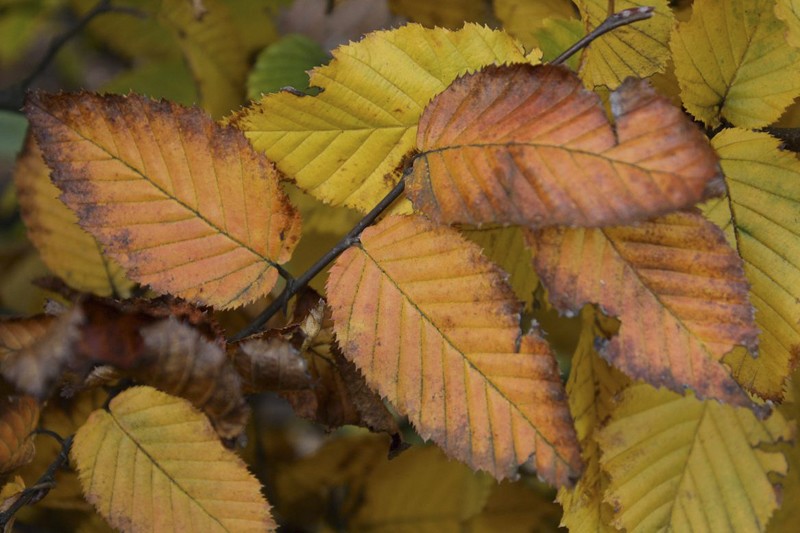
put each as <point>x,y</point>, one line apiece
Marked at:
<point>675,284</point>
<point>434,327</point>
<point>19,416</point>
<point>528,145</point>
<point>183,204</point>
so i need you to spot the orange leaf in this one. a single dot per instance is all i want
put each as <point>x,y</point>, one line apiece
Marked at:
<point>528,145</point>
<point>19,416</point>
<point>183,204</point>
<point>675,284</point>
<point>434,327</point>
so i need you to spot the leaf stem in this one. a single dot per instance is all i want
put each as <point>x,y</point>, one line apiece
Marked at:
<point>293,286</point>
<point>296,285</point>
<point>13,97</point>
<point>623,18</point>
<point>42,486</point>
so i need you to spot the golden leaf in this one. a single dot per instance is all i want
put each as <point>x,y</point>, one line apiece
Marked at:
<point>675,284</point>
<point>638,50</point>
<point>761,216</point>
<point>151,462</point>
<point>678,464</point>
<point>435,329</point>
<point>19,416</point>
<point>186,206</point>
<point>67,250</point>
<point>528,145</point>
<point>732,62</point>
<point>347,145</point>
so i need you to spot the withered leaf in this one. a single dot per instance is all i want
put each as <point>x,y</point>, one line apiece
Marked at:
<point>528,145</point>
<point>19,416</point>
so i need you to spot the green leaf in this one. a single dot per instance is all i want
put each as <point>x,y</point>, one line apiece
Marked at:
<point>285,64</point>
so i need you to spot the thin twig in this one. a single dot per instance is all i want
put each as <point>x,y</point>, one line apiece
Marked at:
<point>293,286</point>
<point>42,486</point>
<point>623,18</point>
<point>13,97</point>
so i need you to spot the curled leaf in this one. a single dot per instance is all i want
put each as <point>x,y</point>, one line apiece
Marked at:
<point>527,145</point>
<point>19,416</point>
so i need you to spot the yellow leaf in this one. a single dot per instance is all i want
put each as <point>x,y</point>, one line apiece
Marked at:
<point>789,12</point>
<point>151,462</point>
<point>516,508</point>
<point>347,146</point>
<point>528,145</point>
<point>732,62</point>
<point>679,464</point>
<point>675,284</point>
<point>637,50</point>
<point>185,205</point>
<point>421,491</point>
<point>592,386</point>
<point>67,250</point>
<point>506,247</point>
<point>522,18</point>
<point>762,216</point>
<point>435,329</point>
<point>443,13</point>
<point>19,416</point>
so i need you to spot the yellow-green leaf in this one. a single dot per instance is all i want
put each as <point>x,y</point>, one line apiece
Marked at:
<point>556,35</point>
<point>789,12</point>
<point>347,145</point>
<point>523,18</point>
<point>67,250</point>
<point>762,215</point>
<point>443,13</point>
<point>637,50</point>
<point>421,491</point>
<point>732,62</point>
<point>516,508</point>
<point>679,464</point>
<point>153,463</point>
<point>283,64</point>
<point>185,205</point>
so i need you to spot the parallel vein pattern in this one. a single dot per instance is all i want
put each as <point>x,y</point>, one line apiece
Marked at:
<point>677,464</point>
<point>435,329</point>
<point>528,145</point>
<point>675,284</point>
<point>764,192</point>
<point>732,62</point>
<point>186,206</point>
<point>346,145</point>
<point>152,463</point>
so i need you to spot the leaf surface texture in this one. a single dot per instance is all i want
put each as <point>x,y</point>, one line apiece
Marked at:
<point>435,329</point>
<point>186,206</point>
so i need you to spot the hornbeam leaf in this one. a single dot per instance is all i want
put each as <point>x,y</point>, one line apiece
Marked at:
<point>434,328</point>
<point>152,463</point>
<point>183,204</point>
<point>637,50</point>
<point>675,284</point>
<point>347,145</point>
<point>66,249</point>
<point>678,464</point>
<point>528,145</point>
<point>761,213</point>
<point>732,62</point>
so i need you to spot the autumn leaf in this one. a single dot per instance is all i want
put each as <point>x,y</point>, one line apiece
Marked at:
<point>151,462</point>
<point>528,145</point>
<point>19,416</point>
<point>683,465</point>
<point>442,14</point>
<point>732,63</point>
<point>347,145</point>
<point>522,18</point>
<point>789,12</point>
<point>557,34</point>
<point>34,351</point>
<point>421,490</point>
<point>10,493</point>
<point>269,363</point>
<point>760,214</point>
<point>492,397</point>
<point>184,205</point>
<point>283,64</point>
<point>637,50</point>
<point>516,508</point>
<point>676,286</point>
<point>67,250</point>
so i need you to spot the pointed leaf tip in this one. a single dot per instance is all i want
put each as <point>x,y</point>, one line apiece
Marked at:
<point>183,204</point>
<point>527,145</point>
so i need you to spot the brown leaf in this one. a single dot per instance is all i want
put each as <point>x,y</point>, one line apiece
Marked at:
<point>528,145</point>
<point>270,363</point>
<point>19,416</point>
<point>677,287</point>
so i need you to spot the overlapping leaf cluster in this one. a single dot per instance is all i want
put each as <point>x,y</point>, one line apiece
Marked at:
<point>528,187</point>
